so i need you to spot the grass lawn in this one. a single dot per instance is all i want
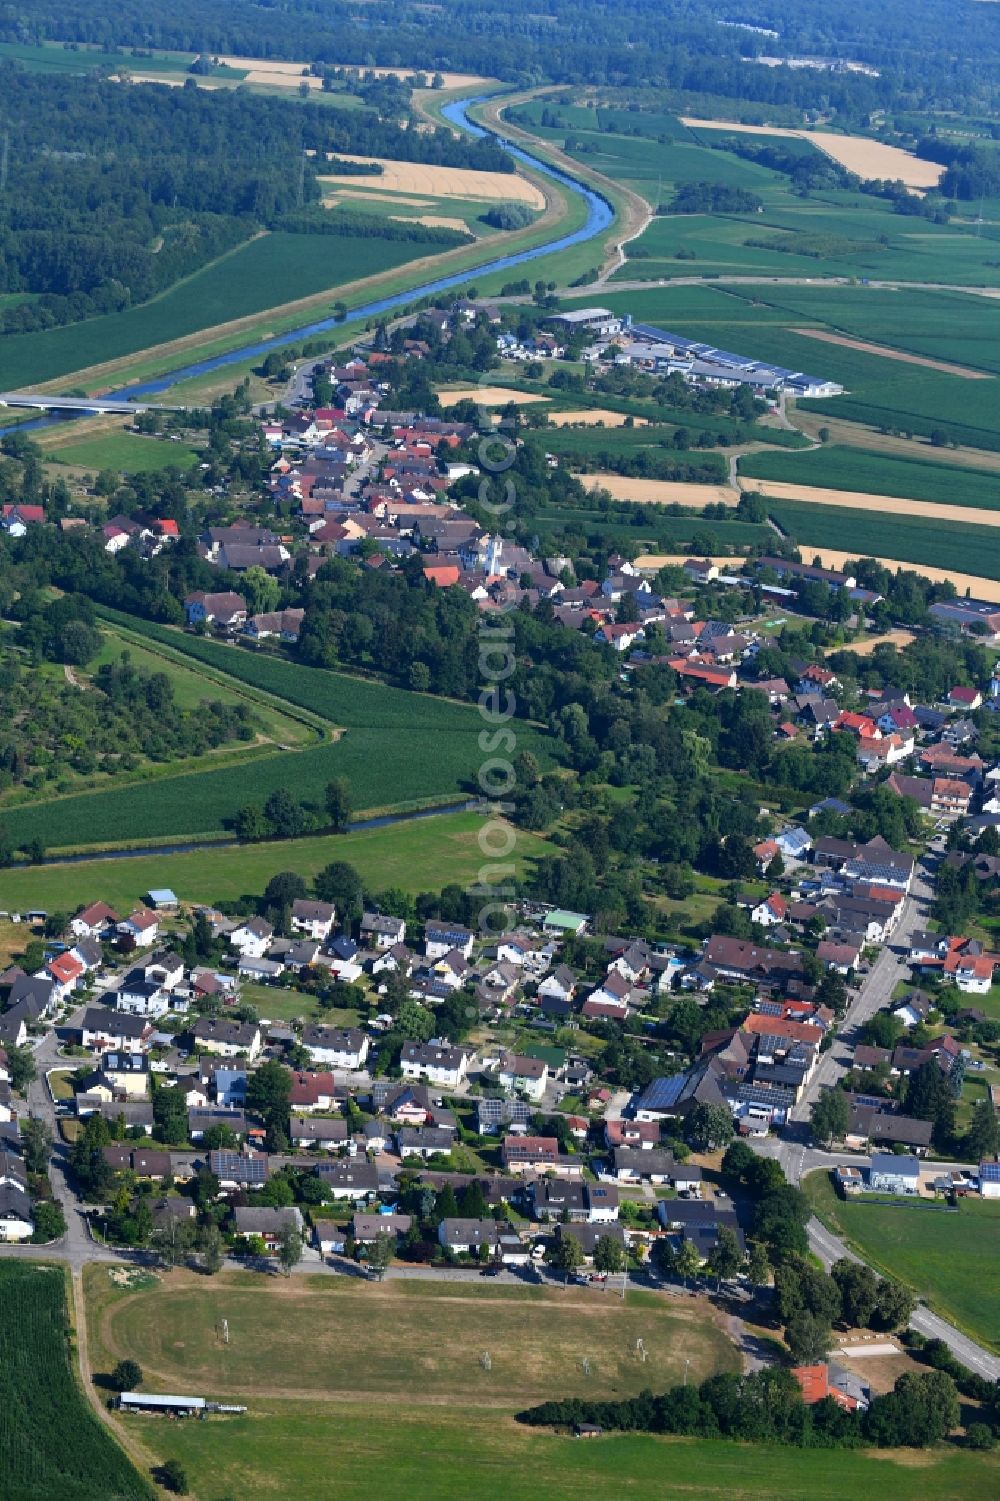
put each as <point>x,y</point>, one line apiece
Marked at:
<point>461,1453</point>
<point>127,453</point>
<point>52,1445</point>
<point>422,855</point>
<point>948,1259</point>
<point>280,1005</point>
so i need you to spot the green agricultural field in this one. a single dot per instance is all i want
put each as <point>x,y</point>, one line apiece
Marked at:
<point>880,391</point>
<point>52,1443</point>
<point>422,854</point>
<point>125,452</point>
<point>965,548</point>
<point>648,527</point>
<point>274,268</point>
<point>957,327</point>
<point>838,468</point>
<point>948,1259</point>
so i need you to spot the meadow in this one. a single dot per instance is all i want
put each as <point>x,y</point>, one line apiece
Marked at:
<point>965,549</point>
<point>458,1453</point>
<point>51,1442</point>
<point>125,453</point>
<point>422,854</point>
<point>246,280</point>
<point>840,468</point>
<point>948,1259</point>
<point>384,1386</point>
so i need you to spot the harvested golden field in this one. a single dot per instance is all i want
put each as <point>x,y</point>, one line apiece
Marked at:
<point>443,182</point>
<point>661,492</point>
<point>826,337</point>
<point>858,154</point>
<point>433,221</point>
<point>488,396</point>
<point>652,562</point>
<point>290,75</point>
<point>399,200</point>
<point>860,500</point>
<point>592,417</point>
<point>980,588</point>
<point>865,648</point>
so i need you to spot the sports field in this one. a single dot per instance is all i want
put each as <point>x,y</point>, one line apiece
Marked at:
<point>949,1259</point>
<point>418,1337</point>
<point>384,1387</point>
<point>422,855</point>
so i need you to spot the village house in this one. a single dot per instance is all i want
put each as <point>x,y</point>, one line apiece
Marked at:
<point>336,1047</point>
<point>521,1075</point>
<point>227,1038</point>
<point>437,1062</point>
<point>315,919</point>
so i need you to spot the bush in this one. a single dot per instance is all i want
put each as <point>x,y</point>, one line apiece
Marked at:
<point>174,1477</point>
<point>126,1376</point>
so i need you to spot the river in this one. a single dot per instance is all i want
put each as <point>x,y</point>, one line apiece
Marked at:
<point>599,218</point>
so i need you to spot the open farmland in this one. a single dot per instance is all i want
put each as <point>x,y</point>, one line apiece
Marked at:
<point>429,181</point>
<point>395,748</point>
<point>422,854</point>
<point>859,154</point>
<point>879,391</point>
<point>76,1459</point>
<point>948,1259</point>
<point>661,492</point>
<point>384,1386</point>
<point>864,474</point>
<point>455,1453</point>
<point>244,281</point>
<point>487,396</point>
<point>649,528</point>
<point>125,453</point>
<point>916,542</point>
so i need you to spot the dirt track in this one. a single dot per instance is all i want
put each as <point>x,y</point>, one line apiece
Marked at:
<point>892,354</point>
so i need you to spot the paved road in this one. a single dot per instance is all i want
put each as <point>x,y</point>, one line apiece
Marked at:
<point>889,968</point>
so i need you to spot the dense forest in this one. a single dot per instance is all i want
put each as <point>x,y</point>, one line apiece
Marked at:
<point>927,54</point>
<point>113,192</point>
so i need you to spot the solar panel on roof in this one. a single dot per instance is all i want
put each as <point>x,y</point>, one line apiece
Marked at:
<point>662,1093</point>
